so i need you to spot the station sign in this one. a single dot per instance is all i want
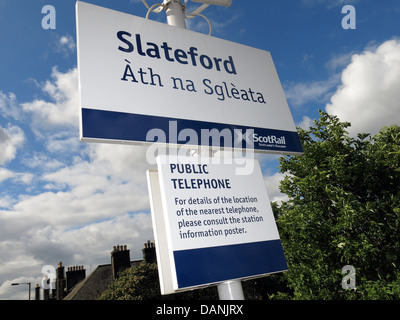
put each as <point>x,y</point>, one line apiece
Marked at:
<point>145,82</point>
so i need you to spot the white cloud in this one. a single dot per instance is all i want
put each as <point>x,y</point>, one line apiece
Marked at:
<point>218,26</point>
<point>63,142</point>
<point>19,292</point>
<point>61,112</point>
<point>314,91</point>
<point>65,45</point>
<point>272,184</point>
<point>339,61</point>
<point>85,197</point>
<point>92,207</point>
<point>42,161</point>
<point>126,229</point>
<point>11,139</point>
<point>369,95</point>
<point>25,178</point>
<point>9,106</point>
<point>298,94</point>
<point>5,174</point>
<point>68,42</point>
<point>305,123</point>
<point>22,259</point>
<point>5,201</point>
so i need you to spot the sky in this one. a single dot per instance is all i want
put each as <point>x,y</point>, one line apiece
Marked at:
<point>70,201</point>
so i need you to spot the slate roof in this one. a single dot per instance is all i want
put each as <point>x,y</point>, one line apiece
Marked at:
<point>95,283</point>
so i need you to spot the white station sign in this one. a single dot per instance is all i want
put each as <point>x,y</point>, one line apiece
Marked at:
<point>143,81</point>
<point>212,224</point>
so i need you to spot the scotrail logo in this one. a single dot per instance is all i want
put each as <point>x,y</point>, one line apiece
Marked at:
<point>270,140</point>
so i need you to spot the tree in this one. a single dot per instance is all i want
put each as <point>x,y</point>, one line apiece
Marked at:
<point>343,209</point>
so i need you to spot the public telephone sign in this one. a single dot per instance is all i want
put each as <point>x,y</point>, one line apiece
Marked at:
<point>215,224</point>
<point>142,82</point>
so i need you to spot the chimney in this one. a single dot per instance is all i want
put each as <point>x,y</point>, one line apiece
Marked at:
<point>37,292</point>
<point>54,293</point>
<point>74,275</point>
<point>149,252</point>
<point>60,283</point>
<point>46,294</point>
<point>120,260</point>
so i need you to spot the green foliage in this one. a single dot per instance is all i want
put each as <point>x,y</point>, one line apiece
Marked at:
<point>343,209</point>
<point>136,283</point>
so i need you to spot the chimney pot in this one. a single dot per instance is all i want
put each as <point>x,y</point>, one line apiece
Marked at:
<point>120,260</point>
<point>75,275</point>
<point>149,252</point>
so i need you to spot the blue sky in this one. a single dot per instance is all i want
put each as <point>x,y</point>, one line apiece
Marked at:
<point>61,199</point>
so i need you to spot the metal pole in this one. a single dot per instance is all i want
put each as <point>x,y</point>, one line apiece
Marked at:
<point>175,13</point>
<point>29,287</point>
<point>229,290</point>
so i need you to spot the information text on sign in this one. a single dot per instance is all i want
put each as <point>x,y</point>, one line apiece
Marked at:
<point>219,224</point>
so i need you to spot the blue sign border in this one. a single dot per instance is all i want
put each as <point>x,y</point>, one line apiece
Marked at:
<point>128,127</point>
<point>216,264</point>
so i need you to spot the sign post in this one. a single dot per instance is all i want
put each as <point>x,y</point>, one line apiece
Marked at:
<point>175,15</point>
<point>230,290</point>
